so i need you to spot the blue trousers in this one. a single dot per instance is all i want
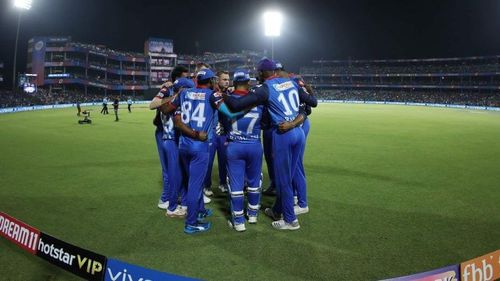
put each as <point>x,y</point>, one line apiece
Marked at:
<point>287,149</point>
<point>267,138</point>
<point>299,180</point>
<point>159,144</point>
<point>194,165</point>
<point>218,145</point>
<point>244,161</point>
<point>171,156</point>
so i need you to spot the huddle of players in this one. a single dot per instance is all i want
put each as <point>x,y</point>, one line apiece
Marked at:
<point>194,116</point>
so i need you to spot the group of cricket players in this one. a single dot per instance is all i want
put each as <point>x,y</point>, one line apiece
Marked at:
<point>208,113</point>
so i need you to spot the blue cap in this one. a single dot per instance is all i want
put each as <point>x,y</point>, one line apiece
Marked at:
<point>241,75</point>
<point>183,83</point>
<point>205,74</point>
<point>266,64</point>
<point>278,64</point>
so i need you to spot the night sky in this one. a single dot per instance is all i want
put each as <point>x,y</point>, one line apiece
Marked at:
<point>312,29</point>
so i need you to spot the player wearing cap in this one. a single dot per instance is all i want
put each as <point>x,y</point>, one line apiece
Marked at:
<point>218,142</point>
<point>195,110</point>
<point>267,137</point>
<point>244,156</point>
<point>282,97</point>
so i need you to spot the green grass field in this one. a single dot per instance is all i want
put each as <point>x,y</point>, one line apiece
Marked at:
<point>393,190</point>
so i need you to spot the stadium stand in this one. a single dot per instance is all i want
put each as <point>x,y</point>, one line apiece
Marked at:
<point>61,63</point>
<point>222,61</point>
<point>465,81</point>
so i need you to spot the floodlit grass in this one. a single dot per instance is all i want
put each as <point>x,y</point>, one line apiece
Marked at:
<point>393,190</point>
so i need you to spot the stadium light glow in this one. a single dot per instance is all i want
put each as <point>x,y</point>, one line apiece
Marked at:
<point>23,4</point>
<point>272,23</point>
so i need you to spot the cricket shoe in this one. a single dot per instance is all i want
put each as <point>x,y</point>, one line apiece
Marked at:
<point>240,227</point>
<point>283,225</point>
<point>270,213</point>
<point>299,210</point>
<point>199,227</point>
<point>203,215</point>
<point>208,191</point>
<point>206,199</point>
<point>252,219</point>
<point>179,212</point>
<point>223,188</point>
<point>163,205</point>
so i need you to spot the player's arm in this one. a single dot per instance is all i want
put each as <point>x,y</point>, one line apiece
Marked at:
<point>217,102</point>
<point>188,131</point>
<point>308,110</point>
<point>225,110</point>
<point>251,100</point>
<point>287,126</point>
<point>158,99</point>
<point>169,104</point>
<point>307,98</point>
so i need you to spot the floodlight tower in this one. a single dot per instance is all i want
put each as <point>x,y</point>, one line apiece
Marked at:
<point>272,27</point>
<point>21,5</point>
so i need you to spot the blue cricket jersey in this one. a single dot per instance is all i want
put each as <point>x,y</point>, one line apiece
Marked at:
<point>246,128</point>
<point>167,122</point>
<point>197,108</point>
<point>281,96</point>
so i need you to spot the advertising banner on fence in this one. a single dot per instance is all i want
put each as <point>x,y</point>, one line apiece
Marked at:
<point>483,268</point>
<point>117,271</point>
<point>449,273</point>
<point>76,260</point>
<point>19,233</point>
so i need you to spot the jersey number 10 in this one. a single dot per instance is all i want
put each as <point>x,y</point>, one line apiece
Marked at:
<point>293,101</point>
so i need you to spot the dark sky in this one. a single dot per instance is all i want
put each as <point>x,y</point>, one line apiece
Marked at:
<point>312,29</point>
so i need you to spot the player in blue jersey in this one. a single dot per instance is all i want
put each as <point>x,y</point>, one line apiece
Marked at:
<point>267,134</point>
<point>218,144</point>
<point>195,110</point>
<point>244,156</point>
<point>267,141</point>
<point>166,91</point>
<point>299,180</point>
<point>282,98</point>
<point>171,154</point>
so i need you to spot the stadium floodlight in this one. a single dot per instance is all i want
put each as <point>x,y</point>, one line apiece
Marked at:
<point>23,4</point>
<point>272,23</point>
<point>272,27</point>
